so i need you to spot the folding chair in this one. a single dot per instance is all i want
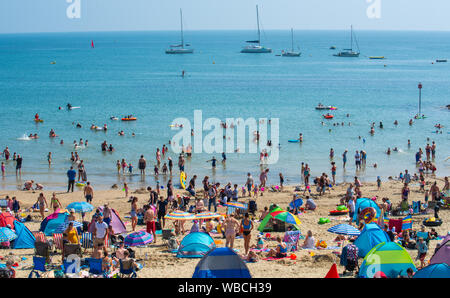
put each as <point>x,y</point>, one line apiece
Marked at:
<point>38,266</point>
<point>68,269</point>
<point>72,249</point>
<point>42,249</point>
<point>126,269</point>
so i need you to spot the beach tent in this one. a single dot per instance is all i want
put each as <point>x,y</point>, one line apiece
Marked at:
<point>442,254</point>
<point>282,215</point>
<point>6,219</point>
<point>434,271</point>
<point>117,224</point>
<point>221,262</point>
<point>25,238</point>
<point>370,236</point>
<point>363,203</point>
<point>195,245</point>
<point>389,258</point>
<point>53,221</point>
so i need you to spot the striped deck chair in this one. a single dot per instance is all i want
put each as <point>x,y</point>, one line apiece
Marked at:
<point>40,237</point>
<point>86,240</point>
<point>106,240</point>
<point>57,241</point>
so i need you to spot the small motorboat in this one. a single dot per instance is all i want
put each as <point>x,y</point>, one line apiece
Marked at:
<point>114,118</point>
<point>322,107</point>
<point>441,60</point>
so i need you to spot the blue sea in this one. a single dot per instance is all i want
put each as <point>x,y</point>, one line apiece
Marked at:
<point>129,73</point>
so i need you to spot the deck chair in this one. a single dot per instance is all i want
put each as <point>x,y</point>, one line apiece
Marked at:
<point>126,269</point>
<point>40,237</point>
<point>72,249</point>
<point>86,241</point>
<point>57,241</point>
<point>42,249</point>
<point>38,266</point>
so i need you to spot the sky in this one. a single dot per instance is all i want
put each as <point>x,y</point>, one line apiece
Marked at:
<point>23,16</point>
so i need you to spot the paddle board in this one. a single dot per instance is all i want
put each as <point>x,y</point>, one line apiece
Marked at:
<point>294,141</point>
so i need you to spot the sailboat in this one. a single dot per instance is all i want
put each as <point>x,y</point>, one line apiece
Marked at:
<point>180,48</point>
<point>349,52</point>
<point>291,53</point>
<point>255,45</point>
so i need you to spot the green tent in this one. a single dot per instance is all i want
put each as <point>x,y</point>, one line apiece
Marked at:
<point>269,217</point>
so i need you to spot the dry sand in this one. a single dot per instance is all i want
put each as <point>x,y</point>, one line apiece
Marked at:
<point>164,264</point>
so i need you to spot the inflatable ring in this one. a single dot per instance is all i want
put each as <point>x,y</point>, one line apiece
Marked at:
<point>338,212</point>
<point>183,180</point>
<point>80,183</point>
<point>437,222</point>
<point>368,214</point>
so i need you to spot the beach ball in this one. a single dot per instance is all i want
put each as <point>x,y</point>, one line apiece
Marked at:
<point>293,257</point>
<point>262,188</point>
<point>268,235</point>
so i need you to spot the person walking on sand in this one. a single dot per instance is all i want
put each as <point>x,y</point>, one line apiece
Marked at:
<point>246,227</point>
<point>71,174</point>
<point>231,227</point>
<point>263,178</point>
<point>149,219</point>
<point>42,203</point>
<point>88,192</point>
<point>54,201</point>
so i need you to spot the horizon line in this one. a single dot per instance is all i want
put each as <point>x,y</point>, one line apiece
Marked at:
<point>209,30</point>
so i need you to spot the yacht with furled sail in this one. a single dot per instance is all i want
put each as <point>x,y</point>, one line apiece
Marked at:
<point>255,45</point>
<point>349,52</point>
<point>180,48</point>
<point>291,53</point>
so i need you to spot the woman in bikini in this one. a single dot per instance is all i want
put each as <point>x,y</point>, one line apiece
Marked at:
<point>280,251</point>
<point>133,213</point>
<point>246,228</point>
<point>55,203</point>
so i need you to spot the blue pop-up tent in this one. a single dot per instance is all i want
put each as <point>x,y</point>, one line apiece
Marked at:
<point>53,221</point>
<point>363,203</point>
<point>195,245</point>
<point>221,262</point>
<point>434,271</point>
<point>370,236</point>
<point>25,238</point>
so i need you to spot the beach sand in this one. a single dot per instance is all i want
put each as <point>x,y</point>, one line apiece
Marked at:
<point>163,264</point>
